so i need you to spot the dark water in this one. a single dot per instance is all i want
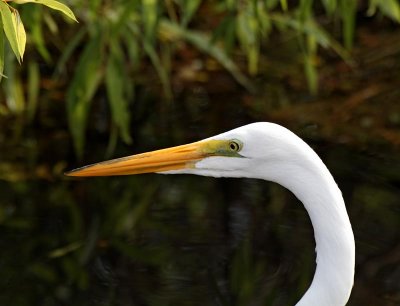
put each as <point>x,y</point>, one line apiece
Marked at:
<point>181,240</point>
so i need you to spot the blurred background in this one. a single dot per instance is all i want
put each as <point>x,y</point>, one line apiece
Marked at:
<point>133,76</point>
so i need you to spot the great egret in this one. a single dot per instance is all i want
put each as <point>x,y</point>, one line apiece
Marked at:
<point>271,152</point>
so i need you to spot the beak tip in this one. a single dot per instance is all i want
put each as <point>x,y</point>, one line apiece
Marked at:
<point>69,173</point>
<point>74,172</point>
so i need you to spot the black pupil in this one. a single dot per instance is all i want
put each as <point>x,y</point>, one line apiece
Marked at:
<point>234,146</point>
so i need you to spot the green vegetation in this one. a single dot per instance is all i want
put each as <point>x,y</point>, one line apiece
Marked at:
<point>14,28</point>
<point>114,39</point>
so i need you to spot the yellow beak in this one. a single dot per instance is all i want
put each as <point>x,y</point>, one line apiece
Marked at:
<point>175,158</point>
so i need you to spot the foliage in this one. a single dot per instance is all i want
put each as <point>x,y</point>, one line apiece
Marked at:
<point>107,51</point>
<point>14,28</point>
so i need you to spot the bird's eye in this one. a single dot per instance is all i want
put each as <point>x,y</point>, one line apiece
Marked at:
<point>235,146</point>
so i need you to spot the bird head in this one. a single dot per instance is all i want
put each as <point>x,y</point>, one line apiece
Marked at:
<point>235,153</point>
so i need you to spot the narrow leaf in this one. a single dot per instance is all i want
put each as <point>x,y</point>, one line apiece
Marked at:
<point>33,88</point>
<point>65,250</point>
<point>1,50</point>
<point>247,32</point>
<point>390,8</point>
<point>36,32</point>
<point>115,80</point>
<point>68,50</point>
<point>82,88</point>
<point>310,68</point>
<point>132,45</point>
<point>188,10</point>
<point>17,98</point>
<point>160,68</point>
<point>330,6</point>
<point>55,5</point>
<point>284,5</point>
<point>149,9</point>
<point>9,28</point>
<point>21,34</point>
<point>348,12</point>
<point>156,61</point>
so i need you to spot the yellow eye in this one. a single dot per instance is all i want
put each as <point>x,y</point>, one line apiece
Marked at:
<point>235,145</point>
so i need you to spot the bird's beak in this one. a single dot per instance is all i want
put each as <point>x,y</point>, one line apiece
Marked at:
<point>175,158</point>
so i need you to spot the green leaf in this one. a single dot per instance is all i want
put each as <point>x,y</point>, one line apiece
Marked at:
<point>117,95</point>
<point>1,50</point>
<point>248,34</point>
<point>21,34</point>
<point>156,61</point>
<point>9,28</point>
<point>310,68</point>
<point>55,5</point>
<point>149,18</point>
<point>16,101</point>
<point>284,5</point>
<point>83,86</point>
<point>133,48</point>
<point>305,10</point>
<point>390,8</point>
<point>68,50</point>
<point>62,251</point>
<point>33,88</point>
<point>188,10</point>
<point>160,68</point>
<point>348,10</point>
<point>330,6</point>
<point>36,31</point>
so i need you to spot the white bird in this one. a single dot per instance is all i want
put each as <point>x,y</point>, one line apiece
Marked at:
<point>270,152</point>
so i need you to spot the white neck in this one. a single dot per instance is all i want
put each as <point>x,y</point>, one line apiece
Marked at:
<point>315,187</point>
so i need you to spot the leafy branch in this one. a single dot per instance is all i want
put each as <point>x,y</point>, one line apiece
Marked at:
<point>13,27</point>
